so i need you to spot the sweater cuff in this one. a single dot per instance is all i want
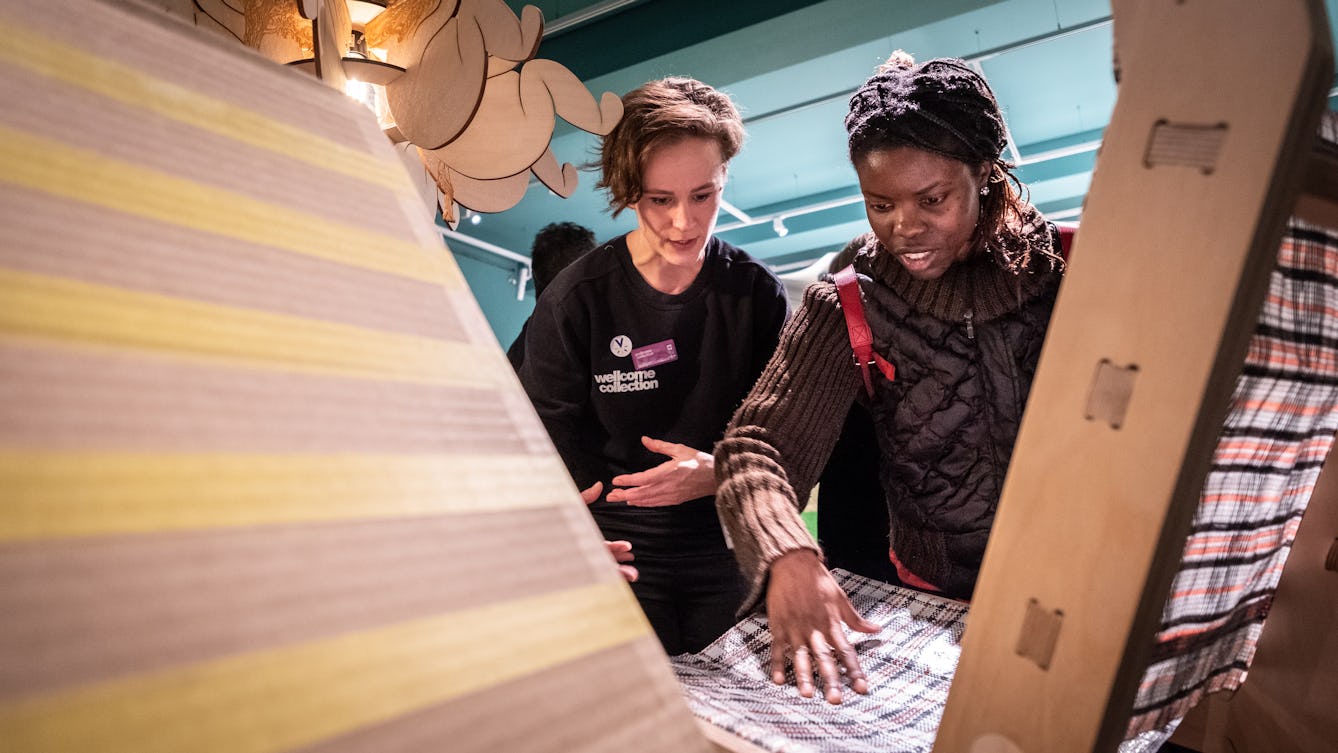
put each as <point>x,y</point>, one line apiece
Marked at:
<point>767,527</point>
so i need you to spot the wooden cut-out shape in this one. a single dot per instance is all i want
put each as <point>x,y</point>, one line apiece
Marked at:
<point>361,69</point>
<point>1040,632</point>
<point>515,120</point>
<point>504,137</point>
<point>438,96</point>
<point>560,179</point>
<point>487,195</point>
<point>1185,145</point>
<point>333,31</point>
<point>510,40</point>
<point>1112,388</point>
<point>994,742</point>
<point>404,29</point>
<point>218,16</point>
<point>571,99</point>
<point>1098,534</point>
<point>276,29</point>
<point>476,116</point>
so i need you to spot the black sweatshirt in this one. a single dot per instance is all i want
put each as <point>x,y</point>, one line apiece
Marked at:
<point>596,322</point>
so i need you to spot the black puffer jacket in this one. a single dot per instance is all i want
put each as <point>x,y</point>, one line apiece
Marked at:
<point>966,349</point>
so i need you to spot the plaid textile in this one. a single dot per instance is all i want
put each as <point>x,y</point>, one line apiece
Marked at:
<point>1277,434</point>
<point>909,664</point>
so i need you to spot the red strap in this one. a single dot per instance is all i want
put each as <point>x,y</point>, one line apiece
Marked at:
<point>1066,233</point>
<point>909,578</point>
<point>861,337</point>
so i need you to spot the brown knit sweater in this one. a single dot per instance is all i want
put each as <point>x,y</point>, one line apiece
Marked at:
<point>780,437</point>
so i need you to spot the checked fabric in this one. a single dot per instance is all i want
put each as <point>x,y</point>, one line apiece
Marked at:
<point>910,665</point>
<point>1278,431</point>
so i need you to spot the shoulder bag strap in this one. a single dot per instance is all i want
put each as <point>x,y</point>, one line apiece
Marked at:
<point>861,337</point>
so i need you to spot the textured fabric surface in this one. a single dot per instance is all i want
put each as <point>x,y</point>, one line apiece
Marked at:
<point>1277,433</point>
<point>910,665</point>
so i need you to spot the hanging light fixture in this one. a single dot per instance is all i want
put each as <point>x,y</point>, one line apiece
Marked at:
<point>444,77</point>
<point>778,225</point>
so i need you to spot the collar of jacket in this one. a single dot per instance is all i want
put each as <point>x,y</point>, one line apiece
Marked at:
<point>977,284</point>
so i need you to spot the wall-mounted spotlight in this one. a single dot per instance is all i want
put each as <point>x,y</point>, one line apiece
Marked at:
<point>778,225</point>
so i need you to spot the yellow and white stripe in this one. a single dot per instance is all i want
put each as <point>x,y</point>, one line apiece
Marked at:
<point>66,494</point>
<point>30,50</point>
<point>86,176</point>
<point>55,308</point>
<point>284,698</point>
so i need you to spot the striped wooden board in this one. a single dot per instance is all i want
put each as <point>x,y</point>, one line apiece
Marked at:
<point>268,482</point>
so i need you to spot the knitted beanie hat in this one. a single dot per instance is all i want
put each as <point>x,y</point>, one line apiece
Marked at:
<point>942,105</point>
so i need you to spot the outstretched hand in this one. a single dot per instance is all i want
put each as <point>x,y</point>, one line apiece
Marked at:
<point>687,474</point>
<point>806,609</point>
<point>621,550</point>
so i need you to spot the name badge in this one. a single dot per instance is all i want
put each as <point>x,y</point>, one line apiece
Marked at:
<point>654,354</point>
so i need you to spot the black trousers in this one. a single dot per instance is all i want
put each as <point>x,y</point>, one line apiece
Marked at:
<point>689,600</point>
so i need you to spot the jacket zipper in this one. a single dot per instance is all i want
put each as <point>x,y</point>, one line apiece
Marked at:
<point>970,328</point>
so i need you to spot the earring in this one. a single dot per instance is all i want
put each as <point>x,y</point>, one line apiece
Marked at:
<point>984,190</point>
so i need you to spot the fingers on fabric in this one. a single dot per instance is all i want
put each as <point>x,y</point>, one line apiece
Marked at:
<point>629,573</point>
<point>827,669</point>
<point>778,657</point>
<point>849,661</point>
<point>807,610</point>
<point>803,671</point>
<point>820,663</point>
<point>852,618</point>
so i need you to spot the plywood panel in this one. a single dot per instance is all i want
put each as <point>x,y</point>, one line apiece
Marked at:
<point>1199,167</point>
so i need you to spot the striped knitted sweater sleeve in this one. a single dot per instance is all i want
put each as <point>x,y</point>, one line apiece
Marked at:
<point>780,437</point>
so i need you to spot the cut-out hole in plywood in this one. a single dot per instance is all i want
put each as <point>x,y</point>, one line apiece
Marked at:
<point>1040,633</point>
<point>1112,388</point>
<point>1185,145</point>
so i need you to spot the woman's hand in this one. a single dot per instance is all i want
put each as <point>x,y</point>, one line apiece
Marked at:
<point>806,608</point>
<point>688,474</point>
<point>621,550</point>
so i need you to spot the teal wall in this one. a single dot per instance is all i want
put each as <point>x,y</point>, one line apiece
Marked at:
<point>493,285</point>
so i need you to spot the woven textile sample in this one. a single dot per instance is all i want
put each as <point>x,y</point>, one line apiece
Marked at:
<point>1278,431</point>
<point>910,665</point>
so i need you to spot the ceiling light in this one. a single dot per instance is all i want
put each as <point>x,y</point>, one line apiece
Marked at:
<point>778,225</point>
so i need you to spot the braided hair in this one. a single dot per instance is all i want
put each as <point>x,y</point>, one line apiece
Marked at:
<point>944,106</point>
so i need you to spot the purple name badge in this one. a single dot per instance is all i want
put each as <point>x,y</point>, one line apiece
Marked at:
<point>654,354</point>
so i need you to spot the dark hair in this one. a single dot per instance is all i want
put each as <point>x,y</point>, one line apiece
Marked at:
<point>555,246</point>
<point>659,113</point>
<point>945,106</point>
